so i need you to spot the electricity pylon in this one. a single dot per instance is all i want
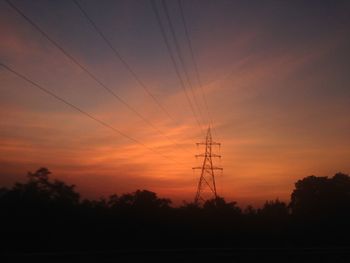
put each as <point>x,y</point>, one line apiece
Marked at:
<point>207,179</point>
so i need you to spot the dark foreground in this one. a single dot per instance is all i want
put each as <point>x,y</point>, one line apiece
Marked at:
<point>333,255</point>
<point>45,220</point>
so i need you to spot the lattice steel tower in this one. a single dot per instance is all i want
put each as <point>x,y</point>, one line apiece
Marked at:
<point>206,186</point>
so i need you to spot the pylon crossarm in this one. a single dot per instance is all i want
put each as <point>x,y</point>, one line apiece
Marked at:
<point>208,143</point>
<point>208,155</point>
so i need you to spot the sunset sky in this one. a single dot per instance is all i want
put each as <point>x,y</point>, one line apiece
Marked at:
<point>275,76</point>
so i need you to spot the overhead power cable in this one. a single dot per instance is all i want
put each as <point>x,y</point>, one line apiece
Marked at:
<point>122,59</point>
<point>172,58</point>
<point>183,18</point>
<point>71,105</point>
<point>181,59</point>
<point>89,73</point>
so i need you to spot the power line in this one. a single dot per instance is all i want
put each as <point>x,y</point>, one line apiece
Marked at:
<point>177,71</point>
<point>52,41</point>
<point>179,52</point>
<point>128,67</point>
<point>35,84</point>
<point>120,57</point>
<point>192,53</point>
<point>183,18</point>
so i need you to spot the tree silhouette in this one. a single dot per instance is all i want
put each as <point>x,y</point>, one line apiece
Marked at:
<point>250,211</point>
<point>321,196</point>
<point>45,212</point>
<point>141,199</point>
<point>219,204</point>
<point>274,209</point>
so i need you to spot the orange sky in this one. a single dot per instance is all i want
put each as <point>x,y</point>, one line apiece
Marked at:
<point>277,89</point>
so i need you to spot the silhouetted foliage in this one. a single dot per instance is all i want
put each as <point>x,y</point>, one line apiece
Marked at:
<point>219,205</point>
<point>44,213</point>
<point>274,209</point>
<point>141,199</point>
<point>321,196</point>
<point>250,211</point>
<point>40,189</point>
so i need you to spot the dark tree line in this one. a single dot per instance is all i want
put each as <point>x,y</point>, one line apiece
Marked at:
<point>46,214</point>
